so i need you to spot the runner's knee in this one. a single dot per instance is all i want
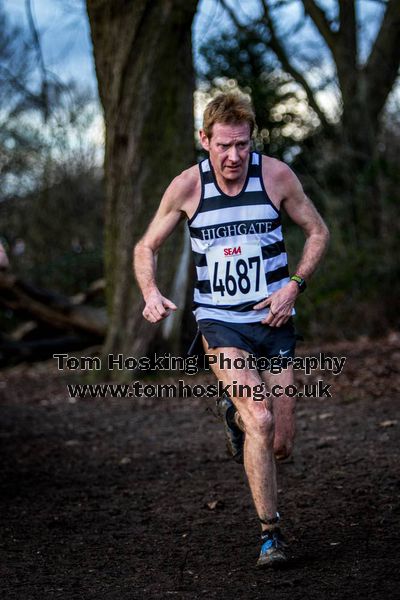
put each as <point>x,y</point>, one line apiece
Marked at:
<point>260,424</point>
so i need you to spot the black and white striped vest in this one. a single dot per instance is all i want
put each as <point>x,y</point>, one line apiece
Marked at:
<point>238,248</point>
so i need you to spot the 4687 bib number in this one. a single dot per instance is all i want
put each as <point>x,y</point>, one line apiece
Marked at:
<point>236,274</point>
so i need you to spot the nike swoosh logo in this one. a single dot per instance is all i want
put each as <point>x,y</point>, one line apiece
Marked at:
<point>282,353</point>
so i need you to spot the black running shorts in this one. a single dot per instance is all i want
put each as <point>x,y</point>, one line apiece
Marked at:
<point>262,341</point>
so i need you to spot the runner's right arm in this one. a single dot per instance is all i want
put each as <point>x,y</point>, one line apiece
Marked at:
<point>166,219</point>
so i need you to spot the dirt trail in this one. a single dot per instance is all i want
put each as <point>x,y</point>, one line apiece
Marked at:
<point>109,498</point>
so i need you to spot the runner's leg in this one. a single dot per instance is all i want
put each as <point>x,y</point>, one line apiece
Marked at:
<point>257,418</point>
<point>283,408</point>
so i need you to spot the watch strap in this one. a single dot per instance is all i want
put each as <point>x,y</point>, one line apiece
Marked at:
<point>300,282</point>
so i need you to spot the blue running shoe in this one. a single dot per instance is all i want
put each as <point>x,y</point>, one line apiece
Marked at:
<point>233,434</point>
<point>272,549</point>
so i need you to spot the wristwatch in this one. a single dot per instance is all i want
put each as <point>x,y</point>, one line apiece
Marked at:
<point>300,282</point>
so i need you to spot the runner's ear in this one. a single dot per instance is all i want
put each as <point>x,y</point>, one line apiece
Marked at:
<point>204,140</point>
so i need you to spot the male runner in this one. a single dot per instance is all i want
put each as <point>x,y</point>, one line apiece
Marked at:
<point>243,296</point>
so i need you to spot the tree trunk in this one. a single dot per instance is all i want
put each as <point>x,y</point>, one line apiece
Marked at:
<point>144,68</point>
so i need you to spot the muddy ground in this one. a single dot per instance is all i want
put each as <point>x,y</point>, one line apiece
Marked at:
<point>117,498</point>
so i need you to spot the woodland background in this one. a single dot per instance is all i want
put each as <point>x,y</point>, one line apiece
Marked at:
<point>323,79</point>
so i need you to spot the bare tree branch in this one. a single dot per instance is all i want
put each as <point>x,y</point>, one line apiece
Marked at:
<point>280,52</point>
<point>36,40</point>
<point>233,16</point>
<point>321,22</point>
<point>382,2</point>
<point>348,30</point>
<point>15,82</point>
<point>381,69</point>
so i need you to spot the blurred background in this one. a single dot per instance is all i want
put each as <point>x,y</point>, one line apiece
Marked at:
<point>96,118</point>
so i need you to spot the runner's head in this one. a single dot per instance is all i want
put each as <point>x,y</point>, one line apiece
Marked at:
<point>227,129</point>
<point>228,109</point>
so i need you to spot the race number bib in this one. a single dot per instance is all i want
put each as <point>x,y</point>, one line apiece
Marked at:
<point>236,273</point>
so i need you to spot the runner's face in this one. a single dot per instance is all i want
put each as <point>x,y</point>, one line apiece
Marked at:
<point>229,148</point>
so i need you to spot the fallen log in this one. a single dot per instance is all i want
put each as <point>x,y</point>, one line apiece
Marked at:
<point>58,311</point>
<point>13,352</point>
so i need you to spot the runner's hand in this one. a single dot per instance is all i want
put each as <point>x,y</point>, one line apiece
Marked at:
<point>280,305</point>
<point>157,307</point>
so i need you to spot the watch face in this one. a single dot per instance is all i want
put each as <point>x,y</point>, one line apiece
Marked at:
<point>302,285</point>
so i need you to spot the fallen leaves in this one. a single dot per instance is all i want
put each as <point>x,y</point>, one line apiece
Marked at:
<point>388,423</point>
<point>215,505</point>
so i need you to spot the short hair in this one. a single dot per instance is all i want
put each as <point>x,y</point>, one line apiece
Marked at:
<point>227,108</point>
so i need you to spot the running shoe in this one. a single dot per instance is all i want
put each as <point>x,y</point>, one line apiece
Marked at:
<point>272,549</point>
<point>233,434</point>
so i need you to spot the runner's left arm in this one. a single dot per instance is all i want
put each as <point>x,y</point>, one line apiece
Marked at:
<point>303,212</point>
